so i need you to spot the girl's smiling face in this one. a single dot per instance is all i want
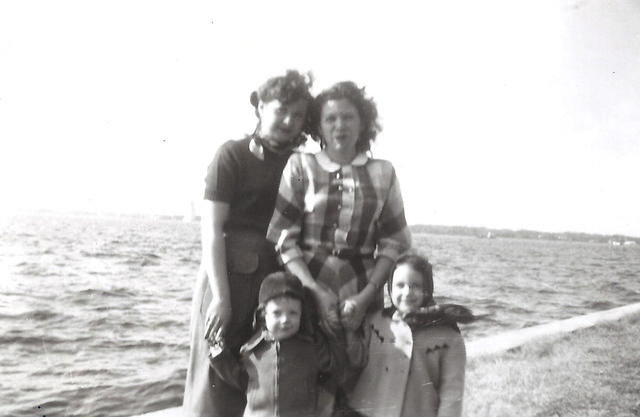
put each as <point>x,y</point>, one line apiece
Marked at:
<point>281,123</point>
<point>407,289</point>
<point>282,317</point>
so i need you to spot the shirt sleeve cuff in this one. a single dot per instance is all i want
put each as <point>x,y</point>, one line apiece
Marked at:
<point>287,255</point>
<point>391,250</point>
<point>388,252</point>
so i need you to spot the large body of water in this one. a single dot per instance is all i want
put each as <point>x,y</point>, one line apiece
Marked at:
<point>94,311</point>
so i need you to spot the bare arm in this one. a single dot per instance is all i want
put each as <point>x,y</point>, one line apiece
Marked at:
<point>326,300</point>
<point>214,216</point>
<point>354,308</point>
<point>379,276</point>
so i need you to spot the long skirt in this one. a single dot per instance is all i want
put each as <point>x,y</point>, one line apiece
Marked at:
<point>249,259</point>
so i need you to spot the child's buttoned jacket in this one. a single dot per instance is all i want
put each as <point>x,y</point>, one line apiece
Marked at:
<point>281,378</point>
<point>410,372</point>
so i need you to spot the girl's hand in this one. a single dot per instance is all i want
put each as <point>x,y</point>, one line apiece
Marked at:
<point>328,306</point>
<point>217,319</point>
<point>352,312</point>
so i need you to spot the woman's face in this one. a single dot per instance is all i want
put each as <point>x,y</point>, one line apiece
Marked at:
<point>280,123</point>
<point>340,127</point>
<point>407,290</point>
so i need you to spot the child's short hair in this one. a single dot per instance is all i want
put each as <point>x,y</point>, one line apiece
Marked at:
<point>419,264</point>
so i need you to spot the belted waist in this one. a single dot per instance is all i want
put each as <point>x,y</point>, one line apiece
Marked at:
<point>343,253</point>
<point>248,239</point>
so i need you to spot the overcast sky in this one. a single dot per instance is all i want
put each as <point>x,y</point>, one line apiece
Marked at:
<point>504,114</point>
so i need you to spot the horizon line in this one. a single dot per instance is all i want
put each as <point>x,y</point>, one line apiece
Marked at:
<point>195,217</point>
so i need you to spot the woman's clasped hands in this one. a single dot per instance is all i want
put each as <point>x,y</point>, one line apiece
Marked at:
<point>328,307</point>
<point>352,311</point>
<point>348,314</point>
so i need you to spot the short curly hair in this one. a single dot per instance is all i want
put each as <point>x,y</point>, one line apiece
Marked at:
<point>367,110</point>
<point>292,86</point>
<point>286,88</point>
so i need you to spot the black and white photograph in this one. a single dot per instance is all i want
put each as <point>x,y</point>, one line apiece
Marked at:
<point>320,209</point>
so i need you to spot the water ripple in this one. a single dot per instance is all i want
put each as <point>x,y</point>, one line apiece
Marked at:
<point>97,309</point>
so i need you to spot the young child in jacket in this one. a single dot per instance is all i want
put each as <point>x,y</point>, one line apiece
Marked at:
<point>282,366</point>
<point>414,355</point>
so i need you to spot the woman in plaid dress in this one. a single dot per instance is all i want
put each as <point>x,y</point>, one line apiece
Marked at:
<point>339,221</point>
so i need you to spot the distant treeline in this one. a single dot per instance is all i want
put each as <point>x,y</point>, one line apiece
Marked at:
<point>484,232</point>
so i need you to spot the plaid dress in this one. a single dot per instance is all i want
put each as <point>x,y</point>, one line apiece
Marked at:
<point>338,218</point>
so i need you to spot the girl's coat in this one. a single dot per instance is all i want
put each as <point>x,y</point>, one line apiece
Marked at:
<point>410,372</point>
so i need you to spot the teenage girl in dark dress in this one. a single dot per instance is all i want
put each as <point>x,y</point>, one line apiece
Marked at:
<point>239,198</point>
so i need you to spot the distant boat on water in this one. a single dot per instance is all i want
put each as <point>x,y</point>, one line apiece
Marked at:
<point>190,214</point>
<point>488,235</point>
<point>613,242</point>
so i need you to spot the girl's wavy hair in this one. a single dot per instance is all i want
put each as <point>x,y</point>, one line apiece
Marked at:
<point>292,86</point>
<point>421,265</point>
<point>366,107</point>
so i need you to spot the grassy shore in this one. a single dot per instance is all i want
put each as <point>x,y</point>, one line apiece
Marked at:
<point>593,372</point>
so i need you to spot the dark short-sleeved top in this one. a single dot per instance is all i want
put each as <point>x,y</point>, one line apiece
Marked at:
<point>246,175</point>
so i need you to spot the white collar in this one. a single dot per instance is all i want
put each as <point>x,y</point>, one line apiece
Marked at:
<point>396,316</point>
<point>328,165</point>
<point>256,149</point>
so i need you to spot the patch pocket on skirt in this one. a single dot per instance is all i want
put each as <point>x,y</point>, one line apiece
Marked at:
<point>242,253</point>
<point>242,261</point>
